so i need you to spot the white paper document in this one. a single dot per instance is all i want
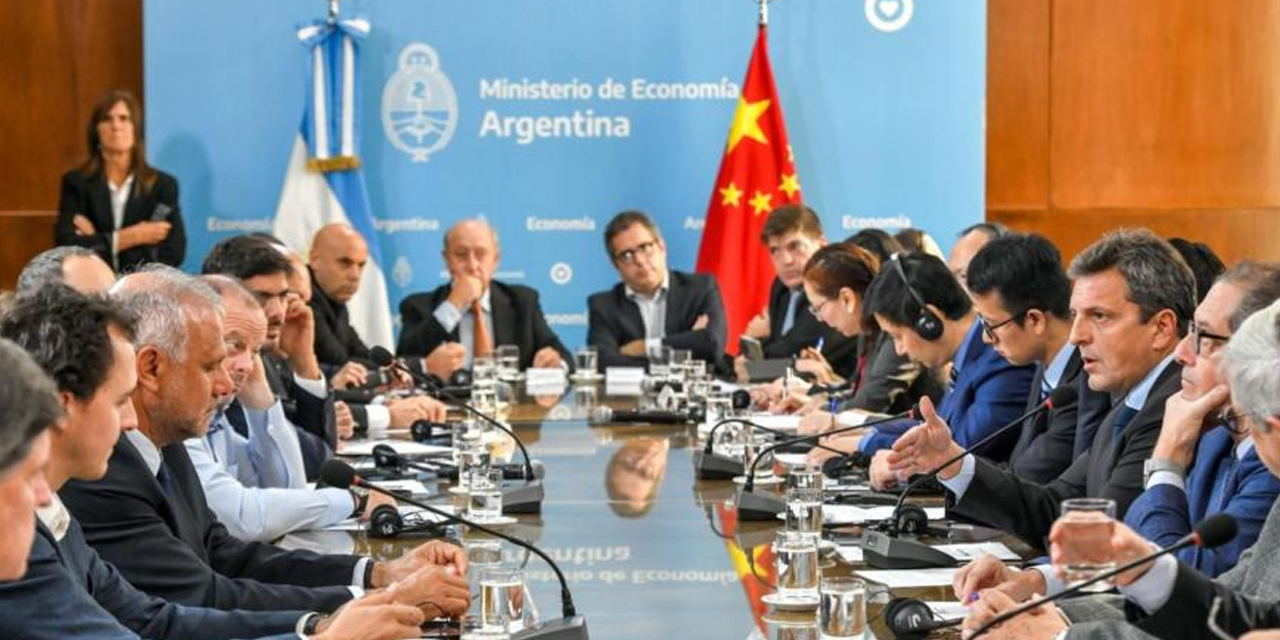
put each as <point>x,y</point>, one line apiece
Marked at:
<point>948,610</point>
<point>851,514</point>
<point>973,551</point>
<point>412,486</point>
<point>402,447</point>
<point>911,578</point>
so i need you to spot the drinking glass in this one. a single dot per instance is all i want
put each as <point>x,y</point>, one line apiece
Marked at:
<point>587,361</point>
<point>796,564</point>
<point>842,609</point>
<point>484,369</point>
<point>805,476</point>
<point>719,406</point>
<point>485,399</point>
<point>1088,523</point>
<point>787,629</point>
<point>486,495</point>
<point>804,513</point>
<point>659,361</point>
<point>508,356</point>
<point>679,360</point>
<point>473,627</point>
<point>505,601</point>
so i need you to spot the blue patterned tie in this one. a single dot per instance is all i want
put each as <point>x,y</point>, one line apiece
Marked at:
<point>790,319</point>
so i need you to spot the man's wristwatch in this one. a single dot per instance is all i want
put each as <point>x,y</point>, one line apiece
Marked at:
<point>308,624</point>
<point>1152,465</point>
<point>361,496</point>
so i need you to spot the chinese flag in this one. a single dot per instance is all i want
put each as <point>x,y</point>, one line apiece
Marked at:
<point>757,175</point>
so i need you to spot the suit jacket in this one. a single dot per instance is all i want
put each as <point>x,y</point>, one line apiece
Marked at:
<point>336,340</point>
<point>1186,613</point>
<point>806,330</point>
<point>614,320</point>
<point>1027,509</point>
<point>517,319</point>
<point>69,593</point>
<point>1046,444</point>
<point>888,383</point>
<point>988,393</point>
<point>88,196</point>
<point>177,550</point>
<point>313,416</point>
<point>1216,482</point>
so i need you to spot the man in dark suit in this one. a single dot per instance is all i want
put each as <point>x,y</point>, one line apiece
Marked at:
<point>148,515</point>
<point>792,233</point>
<point>474,313</point>
<point>1023,296</point>
<point>1132,299</point>
<point>337,260</point>
<point>653,306</point>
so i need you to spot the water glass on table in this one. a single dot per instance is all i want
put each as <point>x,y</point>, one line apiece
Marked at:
<point>1089,523</point>
<point>805,476</point>
<point>842,608</point>
<point>508,357</point>
<point>804,513</point>
<point>586,361</point>
<point>485,489</point>
<point>796,565</point>
<point>792,629</point>
<point>504,600</point>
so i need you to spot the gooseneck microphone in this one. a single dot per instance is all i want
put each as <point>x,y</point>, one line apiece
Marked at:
<point>383,358</point>
<point>571,626</point>
<point>709,465</point>
<point>1214,531</point>
<point>608,415</point>
<point>716,427</point>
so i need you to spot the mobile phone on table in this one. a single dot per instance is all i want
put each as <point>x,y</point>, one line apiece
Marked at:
<point>751,348</point>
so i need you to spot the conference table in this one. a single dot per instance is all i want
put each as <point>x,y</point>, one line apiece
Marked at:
<point>649,550</point>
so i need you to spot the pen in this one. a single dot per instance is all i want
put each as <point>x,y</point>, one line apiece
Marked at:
<point>818,347</point>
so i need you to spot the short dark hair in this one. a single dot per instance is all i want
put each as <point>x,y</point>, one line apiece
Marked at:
<point>840,265</point>
<point>30,403</point>
<point>889,297</point>
<point>1260,284</point>
<point>878,242</point>
<point>992,230</point>
<point>65,331</point>
<point>1025,270</point>
<point>791,218</point>
<point>1155,276</point>
<point>1205,264</point>
<point>46,268</point>
<point>244,257</point>
<point>622,222</point>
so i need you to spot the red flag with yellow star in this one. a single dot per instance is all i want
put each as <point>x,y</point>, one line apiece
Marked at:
<point>757,175</point>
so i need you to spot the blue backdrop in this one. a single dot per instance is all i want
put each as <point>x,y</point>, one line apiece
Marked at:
<point>884,103</point>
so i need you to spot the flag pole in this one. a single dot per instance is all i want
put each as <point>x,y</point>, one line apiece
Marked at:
<point>332,18</point>
<point>764,12</point>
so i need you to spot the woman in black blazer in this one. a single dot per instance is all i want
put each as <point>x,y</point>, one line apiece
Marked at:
<point>149,227</point>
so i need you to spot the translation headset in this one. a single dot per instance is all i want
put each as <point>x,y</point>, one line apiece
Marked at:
<point>911,619</point>
<point>927,324</point>
<point>386,522</point>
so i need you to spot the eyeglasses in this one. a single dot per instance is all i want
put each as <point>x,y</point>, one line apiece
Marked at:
<point>1202,341</point>
<point>817,311</point>
<point>990,329</point>
<point>628,256</point>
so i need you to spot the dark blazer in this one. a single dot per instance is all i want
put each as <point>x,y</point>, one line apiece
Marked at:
<point>1026,509</point>
<point>1046,445</point>
<point>888,383</point>
<point>336,340</point>
<point>841,352</point>
<point>988,394</point>
<point>614,320</point>
<point>69,593</point>
<point>88,196</point>
<point>517,319</point>
<point>1186,614</point>
<point>177,550</point>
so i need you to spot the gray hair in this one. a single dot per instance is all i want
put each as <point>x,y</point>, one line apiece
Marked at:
<point>162,298</point>
<point>493,233</point>
<point>1260,284</point>
<point>30,401</point>
<point>1252,361</point>
<point>1155,275</point>
<point>229,288</point>
<point>46,268</point>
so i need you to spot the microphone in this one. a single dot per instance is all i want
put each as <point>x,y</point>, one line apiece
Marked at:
<point>753,506</point>
<point>608,415</point>
<point>883,551</point>
<point>709,465</point>
<point>1214,531</point>
<point>526,498</point>
<point>571,626</point>
<point>383,358</point>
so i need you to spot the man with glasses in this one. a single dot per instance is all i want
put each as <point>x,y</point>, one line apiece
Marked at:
<point>473,314</point>
<point>653,306</point>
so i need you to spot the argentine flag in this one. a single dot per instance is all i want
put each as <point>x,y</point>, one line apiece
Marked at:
<point>323,183</point>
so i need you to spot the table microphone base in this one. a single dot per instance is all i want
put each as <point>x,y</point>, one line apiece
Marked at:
<point>574,628</point>
<point>713,466</point>
<point>759,506</point>
<point>525,497</point>
<point>882,551</point>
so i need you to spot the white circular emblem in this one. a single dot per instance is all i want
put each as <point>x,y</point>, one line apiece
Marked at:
<point>561,273</point>
<point>889,15</point>
<point>419,107</point>
<point>402,272</point>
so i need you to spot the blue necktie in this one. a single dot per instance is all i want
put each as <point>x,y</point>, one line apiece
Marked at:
<point>1124,415</point>
<point>1045,389</point>
<point>165,480</point>
<point>790,319</point>
<point>955,375</point>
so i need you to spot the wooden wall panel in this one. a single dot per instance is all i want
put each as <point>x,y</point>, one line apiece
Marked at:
<point>58,58</point>
<point>1018,103</point>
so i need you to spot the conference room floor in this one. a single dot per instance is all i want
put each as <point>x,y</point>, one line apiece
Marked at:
<point>648,550</point>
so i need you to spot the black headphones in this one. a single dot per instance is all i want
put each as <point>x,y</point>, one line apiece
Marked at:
<point>386,522</point>
<point>426,431</point>
<point>911,619</point>
<point>927,324</point>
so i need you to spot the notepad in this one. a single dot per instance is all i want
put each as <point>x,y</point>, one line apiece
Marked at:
<point>852,514</point>
<point>911,578</point>
<point>402,447</point>
<point>852,554</point>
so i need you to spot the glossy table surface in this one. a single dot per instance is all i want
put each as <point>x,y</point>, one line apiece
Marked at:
<point>649,551</point>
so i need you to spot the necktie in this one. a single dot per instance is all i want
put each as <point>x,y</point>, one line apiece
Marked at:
<point>955,375</point>
<point>790,319</point>
<point>235,418</point>
<point>1045,389</point>
<point>482,346</point>
<point>165,480</point>
<point>1124,415</point>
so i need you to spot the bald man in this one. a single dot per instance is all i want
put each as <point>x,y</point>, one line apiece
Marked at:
<point>338,257</point>
<point>443,325</point>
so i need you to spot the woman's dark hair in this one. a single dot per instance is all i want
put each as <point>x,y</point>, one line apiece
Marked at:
<point>878,242</point>
<point>144,174</point>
